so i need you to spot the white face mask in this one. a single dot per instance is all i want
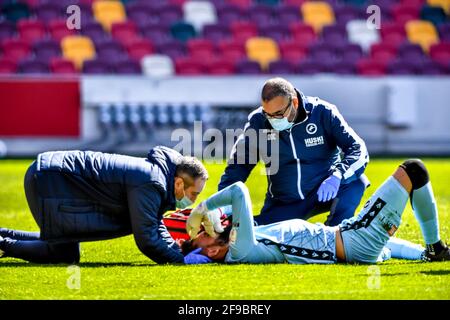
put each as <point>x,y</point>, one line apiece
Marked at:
<point>281,124</point>
<point>184,202</point>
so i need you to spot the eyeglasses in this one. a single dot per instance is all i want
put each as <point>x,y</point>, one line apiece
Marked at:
<point>279,114</point>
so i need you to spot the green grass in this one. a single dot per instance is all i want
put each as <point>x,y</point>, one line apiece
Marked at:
<point>116,269</point>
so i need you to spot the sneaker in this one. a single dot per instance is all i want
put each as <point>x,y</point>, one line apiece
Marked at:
<point>444,255</point>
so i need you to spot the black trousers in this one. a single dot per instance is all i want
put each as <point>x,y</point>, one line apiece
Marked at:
<point>28,245</point>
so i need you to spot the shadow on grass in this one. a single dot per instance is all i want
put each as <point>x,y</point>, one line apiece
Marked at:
<point>9,264</point>
<point>436,272</point>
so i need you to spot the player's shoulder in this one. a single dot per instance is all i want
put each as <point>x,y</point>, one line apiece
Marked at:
<point>256,117</point>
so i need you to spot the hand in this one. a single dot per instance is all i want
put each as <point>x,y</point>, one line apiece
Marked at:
<point>212,222</point>
<point>195,219</point>
<point>195,257</point>
<point>329,188</point>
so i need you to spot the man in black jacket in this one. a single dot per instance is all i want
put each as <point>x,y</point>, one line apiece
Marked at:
<point>77,196</point>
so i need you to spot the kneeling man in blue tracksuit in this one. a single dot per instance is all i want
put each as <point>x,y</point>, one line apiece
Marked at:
<point>312,176</point>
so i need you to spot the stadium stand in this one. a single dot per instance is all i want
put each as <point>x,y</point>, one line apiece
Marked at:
<point>120,34</point>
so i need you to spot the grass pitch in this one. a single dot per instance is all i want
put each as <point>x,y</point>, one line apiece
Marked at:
<point>116,269</point>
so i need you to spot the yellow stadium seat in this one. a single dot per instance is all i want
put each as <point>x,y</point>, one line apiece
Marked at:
<point>444,4</point>
<point>422,33</point>
<point>317,14</point>
<point>262,50</point>
<point>108,12</point>
<point>78,49</point>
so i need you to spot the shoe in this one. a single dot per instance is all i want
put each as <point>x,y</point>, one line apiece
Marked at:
<point>2,253</point>
<point>444,255</point>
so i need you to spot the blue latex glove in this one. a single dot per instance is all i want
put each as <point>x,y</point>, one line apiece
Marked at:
<point>195,257</point>
<point>329,188</point>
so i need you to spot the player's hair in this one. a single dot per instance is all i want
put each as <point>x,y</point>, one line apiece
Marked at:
<point>222,239</point>
<point>192,167</point>
<point>277,87</point>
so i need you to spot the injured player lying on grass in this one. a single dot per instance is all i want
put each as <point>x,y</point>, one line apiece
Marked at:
<point>364,238</point>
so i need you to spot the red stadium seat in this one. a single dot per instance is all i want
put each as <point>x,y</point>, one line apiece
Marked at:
<point>383,52</point>
<point>392,32</point>
<point>201,48</point>
<point>189,66</point>
<point>7,66</point>
<point>138,48</point>
<point>15,49</point>
<point>243,30</point>
<point>58,29</point>
<point>302,32</point>
<point>62,66</point>
<point>296,3</point>
<point>241,3</point>
<point>368,67</point>
<point>440,52</point>
<point>292,50</point>
<point>232,49</point>
<point>221,66</point>
<point>403,13</point>
<point>124,31</point>
<point>31,30</point>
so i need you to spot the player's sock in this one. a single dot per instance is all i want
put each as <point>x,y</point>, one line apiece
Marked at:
<point>425,210</point>
<point>402,249</point>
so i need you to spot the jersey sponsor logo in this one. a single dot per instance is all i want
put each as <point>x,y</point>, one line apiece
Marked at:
<point>311,128</point>
<point>314,141</point>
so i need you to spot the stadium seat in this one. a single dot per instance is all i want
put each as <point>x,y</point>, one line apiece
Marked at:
<point>349,51</point>
<point>401,67</point>
<point>62,66</point>
<point>430,67</point>
<point>7,66</point>
<point>277,32</point>
<point>14,11</point>
<point>190,66</point>
<point>157,65</point>
<point>7,29</point>
<point>317,14</point>
<point>368,67</point>
<point>138,48</point>
<point>140,12</point>
<point>232,49</point>
<point>263,50</point>
<point>127,67</point>
<point>344,67</point>
<point>230,13</point>
<point>359,33</point>
<point>302,33</point>
<point>403,13</point>
<point>435,15</point>
<point>282,67</point>
<point>183,31</point>
<point>392,32</point>
<point>31,30</point>
<point>46,49</point>
<point>269,2</point>
<point>384,52</point>
<point>172,48</point>
<point>77,49</point>
<point>440,52</point>
<point>108,12</point>
<point>47,11</point>
<point>124,32</point>
<point>241,3</point>
<point>221,66</point>
<point>345,13</point>
<point>409,51</point>
<point>444,31</point>
<point>294,3</point>
<point>421,32</point>
<point>444,4</point>
<point>15,49</point>
<point>169,13</point>
<point>287,14</point>
<point>109,49</point>
<point>262,15</point>
<point>216,32</point>
<point>93,30</point>
<point>321,51</point>
<point>310,67</point>
<point>35,66</point>
<point>248,67</point>
<point>156,33</point>
<point>334,33</point>
<point>58,29</point>
<point>243,30</point>
<point>199,13</point>
<point>96,66</point>
<point>292,50</point>
<point>201,48</point>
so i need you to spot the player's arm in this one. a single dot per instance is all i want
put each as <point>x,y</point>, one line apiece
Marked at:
<point>244,155</point>
<point>242,236</point>
<point>150,237</point>
<point>355,157</point>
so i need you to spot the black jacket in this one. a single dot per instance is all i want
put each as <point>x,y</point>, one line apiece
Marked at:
<point>87,196</point>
